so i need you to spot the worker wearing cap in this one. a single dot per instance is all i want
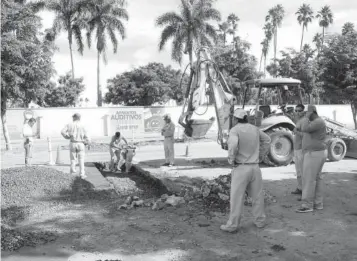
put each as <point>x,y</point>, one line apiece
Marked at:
<point>298,155</point>
<point>314,149</point>
<point>168,132</point>
<point>246,147</point>
<point>78,137</point>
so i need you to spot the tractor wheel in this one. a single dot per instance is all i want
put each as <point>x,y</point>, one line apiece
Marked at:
<point>281,151</point>
<point>336,149</point>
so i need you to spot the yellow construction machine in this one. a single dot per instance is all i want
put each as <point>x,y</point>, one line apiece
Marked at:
<point>279,124</point>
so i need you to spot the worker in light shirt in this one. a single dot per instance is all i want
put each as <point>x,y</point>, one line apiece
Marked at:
<point>168,132</point>
<point>77,134</point>
<point>247,146</point>
<point>28,135</point>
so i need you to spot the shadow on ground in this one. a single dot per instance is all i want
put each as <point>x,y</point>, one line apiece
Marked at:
<point>89,221</point>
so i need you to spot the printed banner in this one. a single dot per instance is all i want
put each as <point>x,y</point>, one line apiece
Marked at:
<point>153,119</point>
<point>127,121</point>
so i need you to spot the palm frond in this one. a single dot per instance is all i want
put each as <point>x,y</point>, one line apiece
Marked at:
<point>168,32</point>
<point>121,13</point>
<point>78,35</point>
<point>113,38</point>
<point>168,18</point>
<point>177,47</point>
<point>114,22</point>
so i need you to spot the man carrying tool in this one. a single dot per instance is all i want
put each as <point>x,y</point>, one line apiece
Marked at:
<point>77,134</point>
<point>247,145</point>
<point>168,132</point>
<point>115,149</point>
<point>28,134</point>
<point>315,154</point>
<point>298,156</point>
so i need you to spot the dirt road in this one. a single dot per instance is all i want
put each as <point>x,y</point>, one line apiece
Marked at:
<point>93,228</point>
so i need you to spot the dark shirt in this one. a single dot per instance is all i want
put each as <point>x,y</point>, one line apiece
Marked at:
<point>314,134</point>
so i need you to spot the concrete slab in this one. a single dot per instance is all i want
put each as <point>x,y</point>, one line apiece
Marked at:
<point>96,178</point>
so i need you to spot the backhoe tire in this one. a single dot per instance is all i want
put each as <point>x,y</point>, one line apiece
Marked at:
<point>281,151</point>
<point>336,149</point>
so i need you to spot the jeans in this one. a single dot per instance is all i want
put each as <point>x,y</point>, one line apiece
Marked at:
<point>169,150</point>
<point>299,159</point>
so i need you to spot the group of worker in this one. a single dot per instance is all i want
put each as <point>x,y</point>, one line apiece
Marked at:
<point>247,146</point>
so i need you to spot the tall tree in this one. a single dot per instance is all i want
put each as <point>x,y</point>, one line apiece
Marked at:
<point>105,18</point>
<point>318,41</point>
<point>69,16</point>
<point>146,85</point>
<point>224,29</point>
<point>325,17</point>
<point>339,63</point>
<point>275,17</point>
<point>268,32</point>
<point>348,28</point>
<point>304,17</point>
<point>233,21</point>
<point>25,58</point>
<point>188,28</point>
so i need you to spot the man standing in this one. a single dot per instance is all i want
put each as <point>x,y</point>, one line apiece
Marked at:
<point>298,156</point>
<point>315,154</point>
<point>78,137</point>
<point>168,132</point>
<point>246,146</point>
<point>28,134</point>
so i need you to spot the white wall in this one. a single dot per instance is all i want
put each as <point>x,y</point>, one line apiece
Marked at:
<point>52,120</point>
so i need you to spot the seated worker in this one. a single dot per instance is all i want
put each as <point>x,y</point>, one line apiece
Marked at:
<point>115,147</point>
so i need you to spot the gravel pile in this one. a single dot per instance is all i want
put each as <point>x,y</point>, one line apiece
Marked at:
<point>26,191</point>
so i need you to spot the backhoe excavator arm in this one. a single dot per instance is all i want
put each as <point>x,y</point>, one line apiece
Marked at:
<point>205,74</point>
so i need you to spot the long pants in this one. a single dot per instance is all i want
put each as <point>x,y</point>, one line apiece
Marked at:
<point>28,152</point>
<point>115,157</point>
<point>312,190</point>
<point>77,151</point>
<point>246,177</point>
<point>169,150</point>
<point>298,159</point>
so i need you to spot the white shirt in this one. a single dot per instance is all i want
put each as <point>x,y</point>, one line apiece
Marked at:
<point>27,132</point>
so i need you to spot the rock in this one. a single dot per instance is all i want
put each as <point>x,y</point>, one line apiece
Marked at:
<point>128,200</point>
<point>164,197</point>
<point>137,203</point>
<point>223,196</point>
<point>158,205</point>
<point>205,191</point>
<point>174,201</point>
<point>135,198</point>
<point>124,206</point>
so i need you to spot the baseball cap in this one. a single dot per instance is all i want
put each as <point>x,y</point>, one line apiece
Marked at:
<point>76,115</point>
<point>311,108</point>
<point>240,113</point>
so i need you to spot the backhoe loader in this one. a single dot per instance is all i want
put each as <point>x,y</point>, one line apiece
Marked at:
<point>279,124</point>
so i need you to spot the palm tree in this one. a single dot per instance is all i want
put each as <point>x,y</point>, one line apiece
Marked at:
<point>318,41</point>
<point>105,18</point>
<point>275,17</point>
<point>224,29</point>
<point>325,17</point>
<point>268,31</point>
<point>305,16</point>
<point>233,21</point>
<point>348,28</point>
<point>189,27</point>
<point>68,17</point>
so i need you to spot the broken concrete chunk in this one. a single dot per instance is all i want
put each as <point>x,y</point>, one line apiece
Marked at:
<point>164,197</point>
<point>124,206</point>
<point>158,205</point>
<point>137,203</point>
<point>128,200</point>
<point>174,201</point>
<point>205,190</point>
<point>135,198</point>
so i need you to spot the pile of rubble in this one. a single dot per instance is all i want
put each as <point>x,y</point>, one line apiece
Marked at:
<point>213,193</point>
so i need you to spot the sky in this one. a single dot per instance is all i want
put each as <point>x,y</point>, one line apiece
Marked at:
<point>141,44</point>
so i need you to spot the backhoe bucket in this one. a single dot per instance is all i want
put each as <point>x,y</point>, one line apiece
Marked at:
<point>197,128</point>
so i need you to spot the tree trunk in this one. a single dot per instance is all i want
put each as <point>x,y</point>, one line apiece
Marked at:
<point>275,46</point>
<point>302,37</point>
<point>354,113</point>
<point>323,37</point>
<point>70,51</point>
<point>260,63</point>
<point>99,89</point>
<point>265,65</point>
<point>5,130</point>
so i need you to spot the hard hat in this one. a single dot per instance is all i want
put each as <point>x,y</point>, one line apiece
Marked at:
<point>240,113</point>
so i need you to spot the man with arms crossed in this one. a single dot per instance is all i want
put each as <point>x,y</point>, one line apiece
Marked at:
<point>315,154</point>
<point>246,146</point>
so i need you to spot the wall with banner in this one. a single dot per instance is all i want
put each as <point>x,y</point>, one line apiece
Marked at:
<point>133,122</point>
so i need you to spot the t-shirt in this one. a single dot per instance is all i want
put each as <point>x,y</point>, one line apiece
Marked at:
<point>314,134</point>
<point>117,143</point>
<point>27,132</point>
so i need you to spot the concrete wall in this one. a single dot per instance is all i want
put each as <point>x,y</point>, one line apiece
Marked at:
<point>138,121</point>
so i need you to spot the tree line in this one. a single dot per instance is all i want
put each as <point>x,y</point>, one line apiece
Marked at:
<point>328,71</point>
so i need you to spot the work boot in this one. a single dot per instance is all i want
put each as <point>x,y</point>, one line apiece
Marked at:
<point>318,207</point>
<point>304,210</point>
<point>165,164</point>
<point>228,229</point>
<point>297,192</point>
